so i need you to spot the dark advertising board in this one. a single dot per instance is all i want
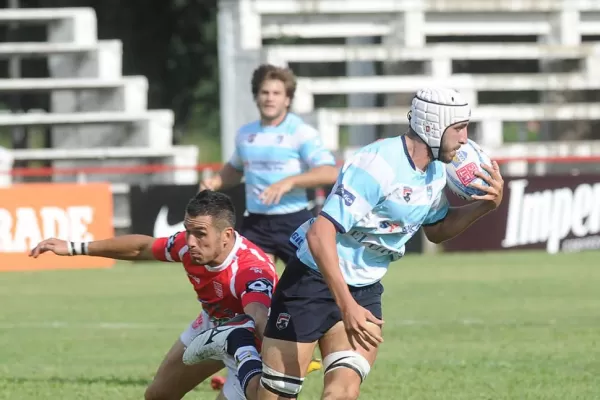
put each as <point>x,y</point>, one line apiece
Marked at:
<point>555,213</point>
<point>158,210</point>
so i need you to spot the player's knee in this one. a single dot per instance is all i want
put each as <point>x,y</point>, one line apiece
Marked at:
<point>155,392</point>
<point>344,373</point>
<point>278,383</point>
<point>349,360</point>
<point>341,391</point>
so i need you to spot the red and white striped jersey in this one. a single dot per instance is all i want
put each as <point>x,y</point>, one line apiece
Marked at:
<point>246,276</point>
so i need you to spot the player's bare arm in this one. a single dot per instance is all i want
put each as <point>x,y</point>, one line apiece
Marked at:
<point>260,313</point>
<point>459,219</point>
<point>227,177</point>
<point>322,244</point>
<point>317,176</point>
<point>127,247</point>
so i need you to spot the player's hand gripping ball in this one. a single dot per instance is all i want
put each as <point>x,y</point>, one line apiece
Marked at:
<point>461,171</point>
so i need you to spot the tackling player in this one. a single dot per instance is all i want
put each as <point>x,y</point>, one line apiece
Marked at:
<point>280,156</point>
<point>331,293</point>
<point>231,277</point>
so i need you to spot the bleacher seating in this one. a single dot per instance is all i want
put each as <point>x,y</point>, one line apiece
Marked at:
<point>404,31</point>
<point>489,118</point>
<point>415,20</point>
<point>97,116</point>
<point>135,84</point>
<point>468,84</point>
<point>432,52</point>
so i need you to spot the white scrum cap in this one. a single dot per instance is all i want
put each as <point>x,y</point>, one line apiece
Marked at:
<point>433,110</point>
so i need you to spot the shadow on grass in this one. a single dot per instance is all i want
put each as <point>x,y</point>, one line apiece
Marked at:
<point>106,380</point>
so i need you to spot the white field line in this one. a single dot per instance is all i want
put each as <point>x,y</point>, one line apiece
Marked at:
<point>89,325</point>
<point>140,325</point>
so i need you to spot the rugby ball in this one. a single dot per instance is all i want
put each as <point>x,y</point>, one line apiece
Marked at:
<point>460,172</point>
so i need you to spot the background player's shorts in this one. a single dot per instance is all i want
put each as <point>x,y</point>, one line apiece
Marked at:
<point>303,309</point>
<point>232,388</point>
<point>272,232</point>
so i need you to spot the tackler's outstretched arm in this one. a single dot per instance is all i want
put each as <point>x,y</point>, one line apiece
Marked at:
<point>127,247</point>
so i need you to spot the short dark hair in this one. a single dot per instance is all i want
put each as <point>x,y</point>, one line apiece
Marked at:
<point>215,204</point>
<point>267,72</point>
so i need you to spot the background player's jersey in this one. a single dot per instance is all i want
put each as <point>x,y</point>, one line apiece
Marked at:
<point>246,276</point>
<point>267,154</point>
<point>379,202</point>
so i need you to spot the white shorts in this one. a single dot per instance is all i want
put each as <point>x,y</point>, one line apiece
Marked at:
<point>232,388</point>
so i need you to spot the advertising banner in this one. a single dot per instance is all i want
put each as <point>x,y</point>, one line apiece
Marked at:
<point>158,210</point>
<point>555,213</point>
<point>30,213</point>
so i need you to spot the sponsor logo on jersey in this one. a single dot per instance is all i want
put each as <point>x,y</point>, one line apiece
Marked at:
<point>407,193</point>
<point>345,195</point>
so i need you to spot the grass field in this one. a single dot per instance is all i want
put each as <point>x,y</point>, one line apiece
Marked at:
<point>490,326</point>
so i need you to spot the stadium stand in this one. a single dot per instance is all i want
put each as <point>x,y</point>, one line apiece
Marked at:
<point>560,37</point>
<point>97,117</point>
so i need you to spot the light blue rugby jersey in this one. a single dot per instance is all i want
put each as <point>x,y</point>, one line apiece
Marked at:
<point>267,154</point>
<point>378,203</point>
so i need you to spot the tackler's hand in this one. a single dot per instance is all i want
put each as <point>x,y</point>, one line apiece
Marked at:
<point>56,246</point>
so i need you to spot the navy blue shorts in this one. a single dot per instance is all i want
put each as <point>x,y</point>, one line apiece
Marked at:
<point>272,232</point>
<point>303,309</point>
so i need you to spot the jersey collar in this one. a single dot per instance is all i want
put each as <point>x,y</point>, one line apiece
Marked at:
<point>230,257</point>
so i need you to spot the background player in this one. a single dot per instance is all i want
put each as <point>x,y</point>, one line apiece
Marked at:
<point>230,275</point>
<point>331,294</point>
<point>279,156</point>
